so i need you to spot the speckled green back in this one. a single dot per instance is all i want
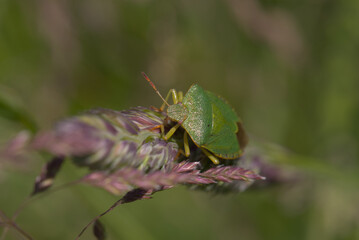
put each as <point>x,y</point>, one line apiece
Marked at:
<point>199,121</point>
<point>211,123</point>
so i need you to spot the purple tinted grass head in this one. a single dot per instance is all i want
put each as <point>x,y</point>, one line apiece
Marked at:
<point>70,137</point>
<point>185,172</point>
<point>13,153</point>
<point>144,118</point>
<point>263,159</point>
<point>16,145</point>
<point>104,139</point>
<point>116,119</point>
<point>159,153</point>
<point>125,150</point>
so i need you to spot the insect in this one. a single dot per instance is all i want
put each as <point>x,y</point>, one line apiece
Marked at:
<point>208,119</point>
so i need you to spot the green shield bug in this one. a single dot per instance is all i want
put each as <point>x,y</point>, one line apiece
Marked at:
<point>208,119</point>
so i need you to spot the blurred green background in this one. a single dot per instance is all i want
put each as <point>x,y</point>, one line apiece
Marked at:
<point>289,68</point>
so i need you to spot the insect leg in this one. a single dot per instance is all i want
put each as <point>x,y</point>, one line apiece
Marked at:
<point>179,153</point>
<point>186,145</point>
<point>210,156</point>
<point>180,96</point>
<point>172,131</point>
<point>162,130</point>
<point>164,103</point>
<point>174,97</point>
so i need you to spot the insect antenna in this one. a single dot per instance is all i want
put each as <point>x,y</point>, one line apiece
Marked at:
<point>154,87</point>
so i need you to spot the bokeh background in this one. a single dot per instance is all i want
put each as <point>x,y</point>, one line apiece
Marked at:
<point>289,68</point>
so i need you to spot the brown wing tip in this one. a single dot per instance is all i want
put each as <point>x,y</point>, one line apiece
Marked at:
<point>242,137</point>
